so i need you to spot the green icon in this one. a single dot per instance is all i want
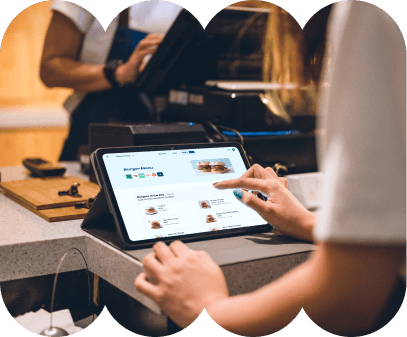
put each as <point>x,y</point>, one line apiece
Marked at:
<point>141,175</point>
<point>160,174</point>
<point>129,176</point>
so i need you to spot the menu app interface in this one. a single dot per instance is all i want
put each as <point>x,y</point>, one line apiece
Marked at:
<point>169,193</point>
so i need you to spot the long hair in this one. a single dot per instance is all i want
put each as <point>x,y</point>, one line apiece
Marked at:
<point>283,54</point>
<point>292,53</point>
<point>293,59</point>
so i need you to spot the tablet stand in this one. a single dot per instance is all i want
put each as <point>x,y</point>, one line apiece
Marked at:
<point>99,222</point>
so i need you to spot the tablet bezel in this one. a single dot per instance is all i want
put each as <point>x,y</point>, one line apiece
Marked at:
<point>105,184</point>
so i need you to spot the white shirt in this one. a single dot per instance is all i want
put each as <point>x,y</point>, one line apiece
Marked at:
<point>149,17</point>
<point>363,118</point>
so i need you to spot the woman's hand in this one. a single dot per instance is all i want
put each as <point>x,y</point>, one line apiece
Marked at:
<point>282,210</point>
<point>183,282</point>
<point>128,72</point>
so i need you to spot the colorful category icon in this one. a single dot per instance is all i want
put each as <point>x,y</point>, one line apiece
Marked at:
<point>129,176</point>
<point>160,174</point>
<point>154,174</point>
<point>135,175</point>
<point>141,175</point>
<point>147,175</point>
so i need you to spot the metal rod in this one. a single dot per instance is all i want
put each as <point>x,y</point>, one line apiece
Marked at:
<point>56,278</point>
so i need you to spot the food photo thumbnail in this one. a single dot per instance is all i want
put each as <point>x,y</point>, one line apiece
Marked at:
<point>155,224</point>
<point>210,218</point>
<point>204,204</point>
<point>150,210</point>
<point>204,166</point>
<point>212,166</point>
<point>218,167</point>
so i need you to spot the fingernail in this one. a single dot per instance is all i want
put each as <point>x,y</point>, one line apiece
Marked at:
<point>238,194</point>
<point>214,184</point>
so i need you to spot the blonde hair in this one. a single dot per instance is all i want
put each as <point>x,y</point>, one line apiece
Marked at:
<point>288,61</point>
<point>295,56</point>
<point>283,51</point>
<point>283,63</point>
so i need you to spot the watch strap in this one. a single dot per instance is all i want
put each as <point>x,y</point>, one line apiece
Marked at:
<point>109,70</point>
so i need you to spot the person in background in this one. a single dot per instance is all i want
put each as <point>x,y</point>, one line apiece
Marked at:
<point>351,284</point>
<point>100,65</point>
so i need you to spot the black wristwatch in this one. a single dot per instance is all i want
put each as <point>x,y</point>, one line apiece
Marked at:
<point>109,69</point>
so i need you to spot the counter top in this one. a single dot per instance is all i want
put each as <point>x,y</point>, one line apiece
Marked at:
<point>30,246</point>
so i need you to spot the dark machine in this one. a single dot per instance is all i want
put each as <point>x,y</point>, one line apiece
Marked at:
<point>213,77</point>
<point>119,135</point>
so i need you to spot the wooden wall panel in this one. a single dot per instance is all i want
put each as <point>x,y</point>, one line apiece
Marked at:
<point>17,144</point>
<point>21,87</point>
<point>20,56</point>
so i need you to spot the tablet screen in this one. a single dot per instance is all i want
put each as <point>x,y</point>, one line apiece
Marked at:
<point>170,193</point>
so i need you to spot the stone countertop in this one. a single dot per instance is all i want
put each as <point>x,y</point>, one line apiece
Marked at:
<point>30,246</point>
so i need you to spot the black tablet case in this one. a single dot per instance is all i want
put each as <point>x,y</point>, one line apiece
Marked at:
<point>100,223</point>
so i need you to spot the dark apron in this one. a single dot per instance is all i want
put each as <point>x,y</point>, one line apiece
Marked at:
<point>101,107</point>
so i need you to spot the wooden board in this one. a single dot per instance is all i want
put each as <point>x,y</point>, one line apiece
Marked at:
<point>63,213</point>
<point>54,214</point>
<point>42,193</point>
<point>40,196</point>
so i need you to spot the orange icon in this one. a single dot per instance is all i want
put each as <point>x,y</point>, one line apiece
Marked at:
<point>135,175</point>
<point>154,174</point>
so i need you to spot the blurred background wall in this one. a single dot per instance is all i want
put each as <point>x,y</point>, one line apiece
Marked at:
<point>32,120</point>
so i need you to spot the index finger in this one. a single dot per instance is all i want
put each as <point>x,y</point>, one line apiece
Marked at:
<point>257,171</point>
<point>155,35</point>
<point>149,41</point>
<point>246,183</point>
<point>152,37</point>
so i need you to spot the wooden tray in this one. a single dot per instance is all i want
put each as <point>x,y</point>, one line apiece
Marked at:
<point>40,195</point>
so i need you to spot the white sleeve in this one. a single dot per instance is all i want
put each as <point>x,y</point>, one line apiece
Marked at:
<point>79,16</point>
<point>153,17</point>
<point>364,120</point>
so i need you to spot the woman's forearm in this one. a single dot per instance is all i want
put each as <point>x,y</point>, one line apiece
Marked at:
<point>60,65</point>
<point>266,310</point>
<point>342,288</point>
<point>65,72</point>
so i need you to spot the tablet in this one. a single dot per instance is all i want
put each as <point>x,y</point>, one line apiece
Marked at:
<point>164,193</point>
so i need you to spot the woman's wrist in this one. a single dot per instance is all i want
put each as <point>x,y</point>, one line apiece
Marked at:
<point>308,226</point>
<point>119,75</point>
<point>299,227</point>
<point>123,76</point>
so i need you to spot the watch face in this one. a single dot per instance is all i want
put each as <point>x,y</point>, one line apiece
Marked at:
<point>113,64</point>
